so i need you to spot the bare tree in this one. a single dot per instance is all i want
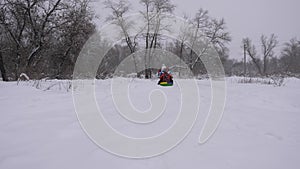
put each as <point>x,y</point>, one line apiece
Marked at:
<point>2,68</point>
<point>183,37</point>
<point>211,30</point>
<point>77,26</point>
<point>201,21</point>
<point>161,7</point>
<point>267,45</point>
<point>203,30</point>
<point>251,51</point>
<point>13,20</point>
<point>34,27</point>
<point>28,21</point>
<point>154,15</point>
<point>119,9</point>
<point>290,56</point>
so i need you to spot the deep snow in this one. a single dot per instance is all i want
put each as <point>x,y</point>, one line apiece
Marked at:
<point>260,128</point>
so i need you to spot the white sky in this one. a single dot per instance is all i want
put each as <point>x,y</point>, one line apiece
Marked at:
<point>244,18</point>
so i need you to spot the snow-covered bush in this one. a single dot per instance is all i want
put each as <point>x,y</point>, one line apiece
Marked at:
<point>273,80</point>
<point>46,84</point>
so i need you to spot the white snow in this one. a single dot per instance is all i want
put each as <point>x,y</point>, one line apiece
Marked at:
<point>260,128</point>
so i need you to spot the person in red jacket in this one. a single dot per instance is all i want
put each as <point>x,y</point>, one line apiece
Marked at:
<point>165,76</point>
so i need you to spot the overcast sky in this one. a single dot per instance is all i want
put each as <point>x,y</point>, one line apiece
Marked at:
<point>244,18</point>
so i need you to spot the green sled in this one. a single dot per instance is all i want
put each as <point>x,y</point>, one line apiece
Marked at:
<point>166,84</point>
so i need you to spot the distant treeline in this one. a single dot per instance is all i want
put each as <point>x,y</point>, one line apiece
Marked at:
<point>43,38</point>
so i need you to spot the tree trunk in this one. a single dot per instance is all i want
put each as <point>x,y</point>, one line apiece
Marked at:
<point>265,66</point>
<point>17,63</point>
<point>181,56</point>
<point>2,68</point>
<point>258,67</point>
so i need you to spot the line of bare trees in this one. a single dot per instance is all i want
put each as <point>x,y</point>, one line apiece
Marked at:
<point>154,13</point>
<point>260,63</point>
<point>268,62</point>
<point>43,38</point>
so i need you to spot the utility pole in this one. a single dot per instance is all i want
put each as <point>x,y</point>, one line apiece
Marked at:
<point>245,59</point>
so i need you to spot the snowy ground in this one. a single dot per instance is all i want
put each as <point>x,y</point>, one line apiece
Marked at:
<point>260,129</point>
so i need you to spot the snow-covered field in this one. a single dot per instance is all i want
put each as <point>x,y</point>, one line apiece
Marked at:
<point>260,128</point>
